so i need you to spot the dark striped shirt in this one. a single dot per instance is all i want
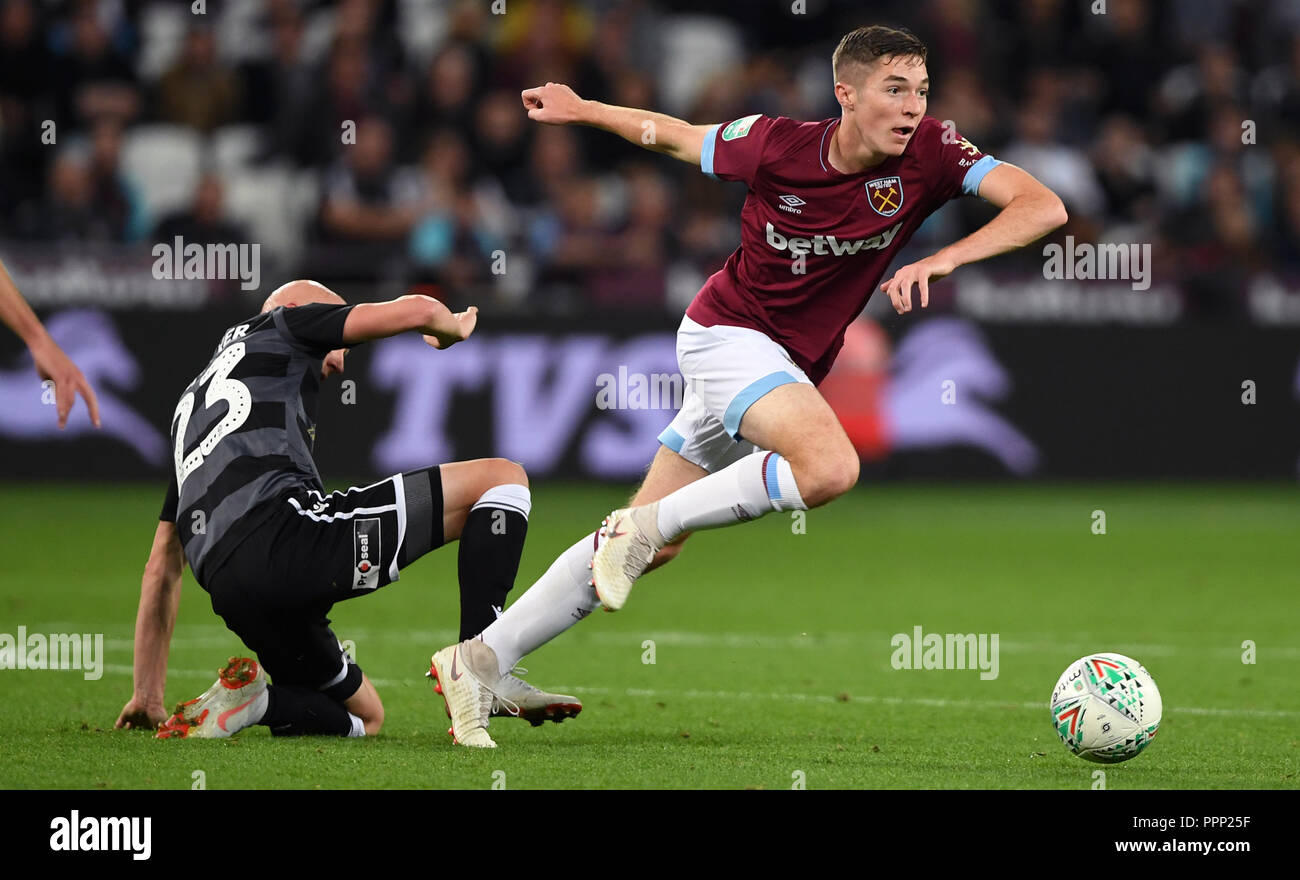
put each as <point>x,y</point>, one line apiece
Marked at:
<point>243,431</point>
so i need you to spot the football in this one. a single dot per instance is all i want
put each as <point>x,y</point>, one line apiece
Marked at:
<point>1106,708</point>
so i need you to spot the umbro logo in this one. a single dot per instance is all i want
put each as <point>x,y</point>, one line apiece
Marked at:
<point>791,203</point>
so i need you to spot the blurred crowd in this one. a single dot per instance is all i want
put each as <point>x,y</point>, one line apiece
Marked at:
<point>383,142</point>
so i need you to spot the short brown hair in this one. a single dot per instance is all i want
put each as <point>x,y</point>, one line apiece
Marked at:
<point>866,45</point>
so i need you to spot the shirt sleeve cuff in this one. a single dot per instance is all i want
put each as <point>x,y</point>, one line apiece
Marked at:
<point>970,185</point>
<point>706,151</point>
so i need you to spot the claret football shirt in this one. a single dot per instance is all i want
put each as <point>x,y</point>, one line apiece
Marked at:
<point>815,243</point>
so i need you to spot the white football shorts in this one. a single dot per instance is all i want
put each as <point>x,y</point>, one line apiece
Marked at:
<point>725,370</point>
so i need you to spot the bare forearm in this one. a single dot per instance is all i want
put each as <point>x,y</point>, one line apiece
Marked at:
<point>557,104</point>
<point>654,131</point>
<point>1029,211</point>
<point>16,313</point>
<point>369,321</point>
<point>160,595</point>
<point>423,314</point>
<point>1025,219</point>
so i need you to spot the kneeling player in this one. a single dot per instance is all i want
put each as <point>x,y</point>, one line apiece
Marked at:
<point>247,510</point>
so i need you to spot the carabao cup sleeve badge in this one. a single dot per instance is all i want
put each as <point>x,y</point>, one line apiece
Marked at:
<point>739,128</point>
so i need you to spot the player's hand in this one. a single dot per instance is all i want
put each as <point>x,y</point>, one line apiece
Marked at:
<point>447,328</point>
<point>553,103</point>
<point>918,274</point>
<point>333,363</point>
<point>137,714</point>
<point>52,363</point>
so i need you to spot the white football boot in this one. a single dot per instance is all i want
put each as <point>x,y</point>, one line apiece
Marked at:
<point>236,700</point>
<point>627,543</point>
<point>461,673</point>
<point>516,698</point>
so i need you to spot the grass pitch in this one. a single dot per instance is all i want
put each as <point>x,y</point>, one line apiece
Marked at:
<point>771,647</point>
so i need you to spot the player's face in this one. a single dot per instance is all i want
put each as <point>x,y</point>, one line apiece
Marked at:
<point>888,104</point>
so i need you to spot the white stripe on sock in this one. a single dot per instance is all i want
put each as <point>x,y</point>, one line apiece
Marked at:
<point>787,496</point>
<point>510,496</point>
<point>737,493</point>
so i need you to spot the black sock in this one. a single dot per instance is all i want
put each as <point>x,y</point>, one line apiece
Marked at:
<point>299,711</point>
<point>490,546</point>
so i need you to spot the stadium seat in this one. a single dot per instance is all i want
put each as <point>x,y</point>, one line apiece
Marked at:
<point>240,33</point>
<point>696,47</point>
<point>233,148</point>
<point>275,204</point>
<point>422,27</point>
<point>162,31</point>
<point>164,160</point>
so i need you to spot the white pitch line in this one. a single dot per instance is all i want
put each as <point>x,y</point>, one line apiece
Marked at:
<point>117,669</point>
<point>897,701</point>
<point>678,638</point>
<point>648,693</point>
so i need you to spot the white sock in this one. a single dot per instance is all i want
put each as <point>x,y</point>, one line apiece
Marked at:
<point>558,600</point>
<point>509,496</point>
<point>756,485</point>
<point>358,726</point>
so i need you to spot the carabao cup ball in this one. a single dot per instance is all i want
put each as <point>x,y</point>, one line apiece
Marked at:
<point>1106,708</point>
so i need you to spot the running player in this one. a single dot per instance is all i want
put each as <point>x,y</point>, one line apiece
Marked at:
<point>830,205</point>
<point>247,510</point>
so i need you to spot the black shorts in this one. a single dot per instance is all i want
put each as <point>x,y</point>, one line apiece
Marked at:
<point>277,587</point>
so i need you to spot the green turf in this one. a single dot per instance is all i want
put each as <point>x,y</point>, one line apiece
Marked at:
<point>772,648</point>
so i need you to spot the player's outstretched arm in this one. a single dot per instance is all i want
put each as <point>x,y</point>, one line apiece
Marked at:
<point>51,362</point>
<point>160,596</point>
<point>1029,211</point>
<point>557,104</point>
<point>438,324</point>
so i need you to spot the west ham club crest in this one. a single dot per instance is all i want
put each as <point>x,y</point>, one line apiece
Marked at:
<point>885,195</point>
